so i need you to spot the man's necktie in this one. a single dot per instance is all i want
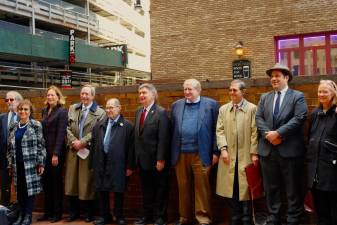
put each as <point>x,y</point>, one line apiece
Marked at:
<point>12,119</point>
<point>107,137</point>
<point>82,120</point>
<point>276,107</point>
<point>142,118</point>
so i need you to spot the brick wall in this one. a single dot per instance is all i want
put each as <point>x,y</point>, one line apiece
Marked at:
<point>197,38</point>
<point>168,93</point>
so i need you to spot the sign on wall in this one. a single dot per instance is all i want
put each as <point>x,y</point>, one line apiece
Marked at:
<point>66,80</point>
<point>124,50</point>
<point>72,57</point>
<point>241,69</point>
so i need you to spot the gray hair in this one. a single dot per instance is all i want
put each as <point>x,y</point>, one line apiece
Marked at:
<point>114,101</point>
<point>151,88</point>
<point>18,97</point>
<point>92,88</point>
<point>194,82</point>
<point>240,83</point>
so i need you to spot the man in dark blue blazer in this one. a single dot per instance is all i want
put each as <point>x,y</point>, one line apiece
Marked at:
<point>152,141</point>
<point>194,151</point>
<point>12,100</point>
<point>279,119</point>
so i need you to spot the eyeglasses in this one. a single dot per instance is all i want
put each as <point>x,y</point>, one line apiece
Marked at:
<point>9,99</point>
<point>24,109</point>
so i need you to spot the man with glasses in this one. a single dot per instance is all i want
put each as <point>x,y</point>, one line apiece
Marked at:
<point>6,119</point>
<point>113,161</point>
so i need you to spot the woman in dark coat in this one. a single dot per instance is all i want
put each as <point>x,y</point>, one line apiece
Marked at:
<point>112,160</point>
<point>54,123</point>
<point>26,159</point>
<point>322,154</point>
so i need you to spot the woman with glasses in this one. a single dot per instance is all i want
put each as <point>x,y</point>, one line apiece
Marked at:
<point>322,154</point>
<point>54,123</point>
<point>26,159</point>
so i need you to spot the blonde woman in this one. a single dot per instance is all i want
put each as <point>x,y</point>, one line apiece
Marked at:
<point>322,154</point>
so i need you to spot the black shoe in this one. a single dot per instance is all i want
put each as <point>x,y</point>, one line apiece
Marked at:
<point>55,219</point>
<point>159,221</point>
<point>19,219</point>
<point>72,217</point>
<point>143,221</point>
<point>27,220</point>
<point>88,218</point>
<point>121,221</point>
<point>99,221</point>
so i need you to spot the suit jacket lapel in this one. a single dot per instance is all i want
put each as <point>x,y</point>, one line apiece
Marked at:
<point>270,103</point>
<point>201,112</point>
<point>5,125</point>
<point>180,114</point>
<point>285,102</point>
<point>149,116</point>
<point>138,113</point>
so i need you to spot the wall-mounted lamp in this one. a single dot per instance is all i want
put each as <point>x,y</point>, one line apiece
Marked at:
<point>138,5</point>
<point>239,49</point>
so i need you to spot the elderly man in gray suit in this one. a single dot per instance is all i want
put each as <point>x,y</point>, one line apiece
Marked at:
<point>279,119</point>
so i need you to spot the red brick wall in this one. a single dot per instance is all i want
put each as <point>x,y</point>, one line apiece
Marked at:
<point>168,93</point>
<point>197,38</point>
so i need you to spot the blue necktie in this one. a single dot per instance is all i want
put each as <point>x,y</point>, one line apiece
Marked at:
<point>106,141</point>
<point>276,108</point>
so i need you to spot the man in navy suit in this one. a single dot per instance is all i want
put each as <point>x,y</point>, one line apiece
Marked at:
<point>194,151</point>
<point>12,100</point>
<point>152,141</point>
<point>279,119</point>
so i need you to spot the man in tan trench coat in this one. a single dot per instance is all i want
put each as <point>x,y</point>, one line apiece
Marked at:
<point>237,139</point>
<point>82,118</point>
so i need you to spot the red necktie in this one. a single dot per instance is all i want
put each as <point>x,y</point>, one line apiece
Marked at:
<point>142,118</point>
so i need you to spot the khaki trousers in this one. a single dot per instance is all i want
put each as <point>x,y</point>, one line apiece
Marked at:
<point>191,173</point>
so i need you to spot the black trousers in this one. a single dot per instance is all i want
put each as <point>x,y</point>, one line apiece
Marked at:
<point>155,193</point>
<point>6,181</point>
<point>241,210</point>
<point>104,204</point>
<point>52,181</point>
<point>26,202</point>
<point>326,207</point>
<point>279,172</point>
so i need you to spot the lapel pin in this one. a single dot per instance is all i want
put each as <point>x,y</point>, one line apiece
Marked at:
<point>121,124</point>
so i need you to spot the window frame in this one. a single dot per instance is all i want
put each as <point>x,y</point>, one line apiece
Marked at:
<point>301,50</point>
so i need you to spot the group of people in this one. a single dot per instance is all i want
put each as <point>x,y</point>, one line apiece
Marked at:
<point>101,149</point>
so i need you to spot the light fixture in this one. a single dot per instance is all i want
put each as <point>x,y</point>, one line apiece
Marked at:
<point>239,49</point>
<point>138,5</point>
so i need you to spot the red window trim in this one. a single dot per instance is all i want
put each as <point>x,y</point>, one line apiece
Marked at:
<point>301,49</point>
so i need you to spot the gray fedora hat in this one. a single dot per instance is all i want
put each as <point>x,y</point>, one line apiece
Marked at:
<point>284,69</point>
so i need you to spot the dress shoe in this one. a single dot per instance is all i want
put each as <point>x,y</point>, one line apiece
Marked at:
<point>88,218</point>
<point>27,220</point>
<point>121,221</point>
<point>72,217</point>
<point>159,221</point>
<point>19,219</point>
<point>55,219</point>
<point>143,221</point>
<point>99,221</point>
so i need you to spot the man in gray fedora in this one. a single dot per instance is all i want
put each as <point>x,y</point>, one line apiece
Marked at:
<point>280,117</point>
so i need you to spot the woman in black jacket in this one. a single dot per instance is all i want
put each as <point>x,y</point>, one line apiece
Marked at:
<point>322,154</point>
<point>54,123</point>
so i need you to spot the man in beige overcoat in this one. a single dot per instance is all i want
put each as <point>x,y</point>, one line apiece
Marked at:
<point>82,118</point>
<point>237,139</point>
